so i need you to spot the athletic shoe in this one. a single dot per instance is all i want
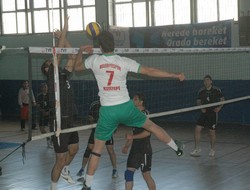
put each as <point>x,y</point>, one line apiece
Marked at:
<point>114,173</point>
<point>81,179</point>
<point>80,173</point>
<point>67,177</point>
<point>180,146</point>
<point>195,152</point>
<point>49,143</point>
<point>212,153</point>
<point>85,187</point>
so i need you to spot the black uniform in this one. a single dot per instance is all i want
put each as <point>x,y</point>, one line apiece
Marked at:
<point>209,118</point>
<point>140,155</point>
<point>94,112</point>
<point>43,102</point>
<point>67,109</point>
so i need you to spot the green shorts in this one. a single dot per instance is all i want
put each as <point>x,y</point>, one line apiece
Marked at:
<point>111,116</point>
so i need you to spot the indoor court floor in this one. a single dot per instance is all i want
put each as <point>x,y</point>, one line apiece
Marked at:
<point>228,170</point>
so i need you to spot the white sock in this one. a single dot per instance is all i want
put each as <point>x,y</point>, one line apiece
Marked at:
<point>53,186</point>
<point>88,180</point>
<point>173,145</point>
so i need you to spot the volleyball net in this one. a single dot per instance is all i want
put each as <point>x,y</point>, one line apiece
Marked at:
<point>167,99</point>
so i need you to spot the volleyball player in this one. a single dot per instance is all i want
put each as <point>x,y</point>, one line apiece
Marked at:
<point>111,71</point>
<point>23,101</point>
<point>43,108</point>
<point>140,155</point>
<point>209,116</point>
<point>93,118</point>
<point>68,147</point>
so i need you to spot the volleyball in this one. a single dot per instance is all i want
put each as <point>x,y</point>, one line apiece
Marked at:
<point>93,29</point>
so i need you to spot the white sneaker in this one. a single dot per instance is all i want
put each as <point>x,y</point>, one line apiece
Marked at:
<point>67,177</point>
<point>195,152</point>
<point>212,153</point>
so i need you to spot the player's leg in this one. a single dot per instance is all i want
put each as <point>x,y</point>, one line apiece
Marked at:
<point>93,162</point>
<point>24,115</point>
<point>149,180</point>
<point>61,158</point>
<point>110,148</point>
<point>212,135</point>
<point>197,137</point>
<point>163,136</point>
<point>72,150</point>
<point>212,123</point>
<point>85,159</point>
<point>57,169</point>
<point>146,171</point>
<point>129,178</point>
<point>87,152</point>
<point>201,122</point>
<point>132,116</point>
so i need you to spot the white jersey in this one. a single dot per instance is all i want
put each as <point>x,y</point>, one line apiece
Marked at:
<point>110,71</point>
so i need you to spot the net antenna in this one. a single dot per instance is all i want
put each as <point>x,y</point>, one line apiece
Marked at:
<point>57,121</point>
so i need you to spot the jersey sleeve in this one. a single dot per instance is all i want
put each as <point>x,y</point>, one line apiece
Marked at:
<point>199,95</point>
<point>88,63</point>
<point>220,93</point>
<point>132,65</point>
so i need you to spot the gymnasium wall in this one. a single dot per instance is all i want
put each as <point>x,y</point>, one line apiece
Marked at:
<point>159,98</point>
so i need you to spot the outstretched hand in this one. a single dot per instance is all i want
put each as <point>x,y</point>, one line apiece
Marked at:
<point>57,33</point>
<point>181,77</point>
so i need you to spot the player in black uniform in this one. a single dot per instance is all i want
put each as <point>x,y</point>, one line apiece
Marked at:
<point>208,117</point>
<point>68,147</point>
<point>43,108</point>
<point>93,118</point>
<point>140,155</point>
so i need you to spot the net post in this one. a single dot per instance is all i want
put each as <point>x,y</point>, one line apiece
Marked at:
<point>30,96</point>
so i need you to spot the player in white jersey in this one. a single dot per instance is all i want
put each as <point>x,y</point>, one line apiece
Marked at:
<point>111,71</point>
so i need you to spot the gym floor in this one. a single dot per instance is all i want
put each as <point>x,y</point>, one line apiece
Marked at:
<point>228,170</point>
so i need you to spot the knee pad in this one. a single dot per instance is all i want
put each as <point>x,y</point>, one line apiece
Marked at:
<point>129,175</point>
<point>87,152</point>
<point>96,154</point>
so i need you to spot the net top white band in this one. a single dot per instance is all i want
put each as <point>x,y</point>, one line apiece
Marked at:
<point>49,50</point>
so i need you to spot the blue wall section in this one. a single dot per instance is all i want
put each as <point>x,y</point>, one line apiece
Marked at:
<point>160,94</point>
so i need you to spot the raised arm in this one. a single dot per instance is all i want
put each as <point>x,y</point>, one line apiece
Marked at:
<point>61,36</point>
<point>79,65</point>
<point>153,72</point>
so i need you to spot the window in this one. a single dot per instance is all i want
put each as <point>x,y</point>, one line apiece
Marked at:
<point>41,16</point>
<point>132,13</point>
<point>151,12</point>
<point>228,9</point>
<point>215,10</point>
<point>14,17</point>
